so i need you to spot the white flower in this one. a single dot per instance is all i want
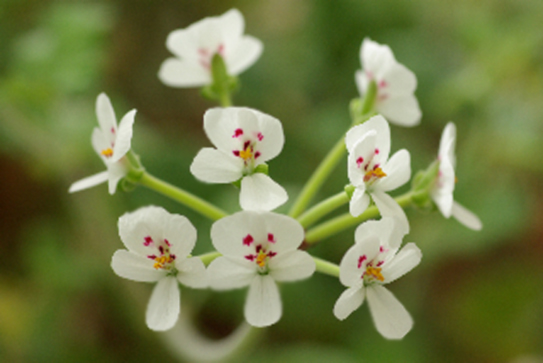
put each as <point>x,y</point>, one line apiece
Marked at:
<point>244,139</point>
<point>111,143</point>
<point>395,83</point>
<point>370,170</point>
<point>258,250</point>
<point>373,261</point>
<point>442,191</point>
<point>159,244</point>
<point>195,46</point>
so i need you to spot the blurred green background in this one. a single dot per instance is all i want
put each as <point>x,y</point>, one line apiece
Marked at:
<point>476,297</point>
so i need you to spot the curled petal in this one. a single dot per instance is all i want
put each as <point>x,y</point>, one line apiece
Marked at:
<point>116,171</point>
<point>106,117</point>
<point>386,229</point>
<point>135,267</point>
<point>407,259</point>
<point>398,171</point>
<point>246,54</point>
<point>389,315</point>
<point>263,306</point>
<point>466,217</point>
<point>359,201</point>
<point>292,266</point>
<point>124,136</point>
<point>164,306</point>
<point>260,193</point>
<point>388,207</point>
<point>380,125</point>
<point>225,274</point>
<point>350,300</point>
<point>89,182</point>
<point>214,166</point>
<point>360,156</point>
<point>448,142</point>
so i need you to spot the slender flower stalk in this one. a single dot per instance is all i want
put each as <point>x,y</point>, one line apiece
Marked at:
<point>344,221</point>
<point>323,208</point>
<point>190,200</point>
<point>331,160</point>
<point>325,267</point>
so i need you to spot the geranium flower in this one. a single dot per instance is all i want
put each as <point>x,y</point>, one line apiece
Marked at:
<point>111,143</point>
<point>258,249</point>
<point>244,139</point>
<point>371,172</point>
<point>395,83</point>
<point>158,245</point>
<point>372,262</point>
<point>442,191</point>
<point>195,46</point>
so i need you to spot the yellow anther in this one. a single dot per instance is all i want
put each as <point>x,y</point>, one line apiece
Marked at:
<point>246,154</point>
<point>375,272</point>
<point>377,173</point>
<point>261,259</point>
<point>107,152</point>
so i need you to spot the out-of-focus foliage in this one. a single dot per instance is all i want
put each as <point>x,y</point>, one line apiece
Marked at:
<point>476,297</point>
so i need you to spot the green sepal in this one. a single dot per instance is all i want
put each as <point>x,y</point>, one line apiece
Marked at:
<point>422,184</point>
<point>349,189</point>
<point>261,168</point>
<point>223,84</point>
<point>237,183</point>
<point>126,185</point>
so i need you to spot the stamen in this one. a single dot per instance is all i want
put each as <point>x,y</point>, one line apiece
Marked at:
<point>374,272</point>
<point>107,152</point>
<point>377,173</point>
<point>246,154</point>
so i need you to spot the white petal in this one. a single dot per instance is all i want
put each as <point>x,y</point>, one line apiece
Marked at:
<point>377,123</point>
<point>389,315</point>
<point>388,207</point>
<point>399,80</point>
<point>192,272</point>
<point>116,171</point>
<point>359,202</point>
<point>291,266</point>
<point>225,274</point>
<point>273,137</point>
<point>360,156</point>
<point>402,110</point>
<point>466,217</point>
<point>89,182</point>
<point>232,25</point>
<point>228,234</point>
<point>375,57</point>
<point>124,136</point>
<point>180,233</point>
<point>135,226</point>
<point>183,73</point>
<point>106,117</point>
<point>164,305</point>
<point>353,263</point>
<point>100,141</point>
<point>362,82</point>
<point>349,301</point>
<point>260,193</point>
<point>135,267</point>
<point>245,55</point>
<point>288,232</point>
<point>214,166</point>
<point>444,202</point>
<point>386,229</point>
<point>263,306</point>
<point>398,171</point>
<point>407,259</point>
<point>220,125</point>
<point>448,142</point>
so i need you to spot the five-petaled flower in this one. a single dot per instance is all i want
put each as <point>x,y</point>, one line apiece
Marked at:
<point>195,46</point>
<point>111,143</point>
<point>159,244</point>
<point>258,249</point>
<point>395,84</point>
<point>244,139</point>
<point>442,191</point>
<point>370,171</point>
<point>370,263</point>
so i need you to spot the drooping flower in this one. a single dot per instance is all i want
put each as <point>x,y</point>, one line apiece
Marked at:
<point>395,83</point>
<point>258,249</point>
<point>371,172</point>
<point>442,191</point>
<point>373,261</point>
<point>158,247</point>
<point>195,46</point>
<point>111,143</point>
<point>244,139</point>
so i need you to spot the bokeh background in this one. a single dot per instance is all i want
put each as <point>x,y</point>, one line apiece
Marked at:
<point>476,297</point>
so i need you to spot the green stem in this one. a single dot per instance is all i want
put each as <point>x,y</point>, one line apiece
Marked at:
<point>323,208</point>
<point>208,257</point>
<point>225,99</point>
<point>195,203</point>
<point>340,223</point>
<point>318,178</point>
<point>327,268</point>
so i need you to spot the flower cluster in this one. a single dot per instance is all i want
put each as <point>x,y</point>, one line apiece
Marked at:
<point>255,247</point>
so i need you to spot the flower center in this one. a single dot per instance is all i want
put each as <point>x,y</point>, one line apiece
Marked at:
<point>262,252</point>
<point>247,153</point>
<point>107,152</point>
<point>373,273</point>
<point>372,269</point>
<point>373,175</point>
<point>165,258</point>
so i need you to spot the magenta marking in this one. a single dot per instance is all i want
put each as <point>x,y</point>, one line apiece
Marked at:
<point>380,263</point>
<point>238,133</point>
<point>167,242</point>
<point>271,254</point>
<point>259,248</point>
<point>376,166</point>
<point>152,257</point>
<point>148,241</point>
<point>220,49</point>
<point>203,52</point>
<point>113,130</point>
<point>236,152</point>
<point>260,136</point>
<point>271,238</point>
<point>248,240</point>
<point>257,154</point>
<point>161,249</point>
<point>382,84</point>
<point>250,257</point>
<point>359,161</point>
<point>246,145</point>
<point>376,151</point>
<point>361,259</point>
